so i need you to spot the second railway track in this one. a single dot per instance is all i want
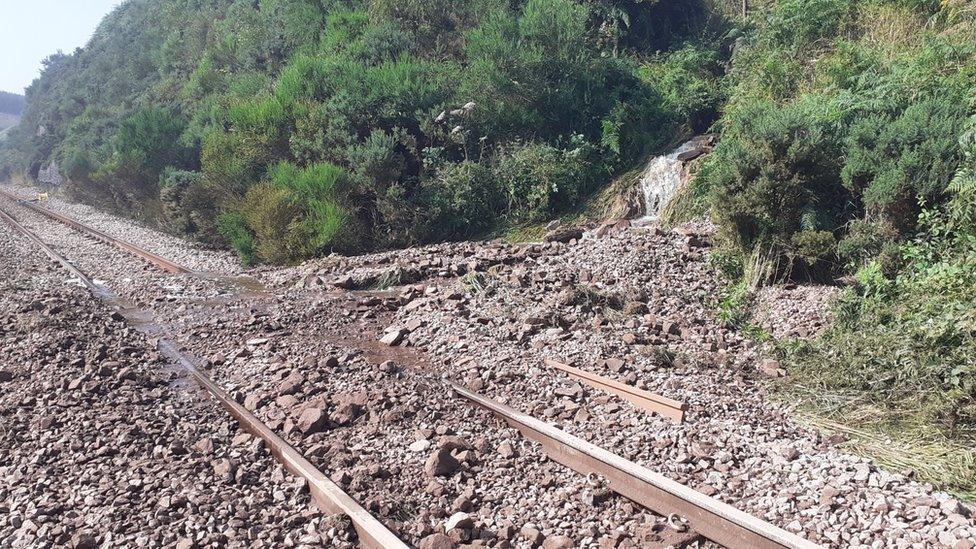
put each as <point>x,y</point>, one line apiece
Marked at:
<point>715,520</point>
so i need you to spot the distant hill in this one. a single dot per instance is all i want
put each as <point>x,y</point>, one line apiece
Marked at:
<point>11,103</point>
<point>11,109</point>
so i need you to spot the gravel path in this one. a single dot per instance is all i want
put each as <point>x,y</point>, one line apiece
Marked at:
<point>102,446</point>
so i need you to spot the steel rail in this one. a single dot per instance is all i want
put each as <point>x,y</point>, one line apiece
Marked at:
<point>145,255</point>
<point>713,519</point>
<point>327,495</point>
<point>651,402</point>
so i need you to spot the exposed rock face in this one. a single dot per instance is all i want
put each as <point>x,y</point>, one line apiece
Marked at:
<point>50,175</point>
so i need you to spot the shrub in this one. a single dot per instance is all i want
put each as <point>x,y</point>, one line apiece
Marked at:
<point>189,206</point>
<point>233,227</point>
<point>324,222</point>
<point>896,161</point>
<point>690,81</point>
<point>778,173</point>
<point>541,180</point>
<point>146,143</point>
<point>465,201</point>
<point>295,214</point>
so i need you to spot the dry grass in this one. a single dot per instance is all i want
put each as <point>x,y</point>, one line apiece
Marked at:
<point>931,457</point>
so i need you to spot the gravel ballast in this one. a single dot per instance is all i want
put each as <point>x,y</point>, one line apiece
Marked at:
<point>103,446</point>
<point>347,357</point>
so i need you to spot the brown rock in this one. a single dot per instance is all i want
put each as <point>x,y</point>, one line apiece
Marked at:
<point>437,541</point>
<point>506,450</point>
<point>441,463</point>
<point>292,384</point>
<point>225,468</point>
<point>313,420</point>
<point>771,368</point>
<point>253,402</point>
<point>459,520</point>
<point>204,446</point>
<point>558,542</point>
<point>83,540</point>
<point>394,337</point>
<point>533,535</point>
<point>564,235</point>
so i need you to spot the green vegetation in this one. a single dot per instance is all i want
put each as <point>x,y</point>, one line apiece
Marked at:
<point>843,124</point>
<point>847,149</point>
<point>289,129</point>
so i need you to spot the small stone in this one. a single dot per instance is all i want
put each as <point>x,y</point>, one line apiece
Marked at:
<point>596,498</point>
<point>788,452</point>
<point>225,468</point>
<point>506,450</point>
<point>558,542</point>
<point>771,368</point>
<point>253,402</point>
<point>421,445</point>
<point>532,534</point>
<point>394,337</point>
<point>204,446</point>
<point>441,463</point>
<point>459,520</point>
<point>83,540</point>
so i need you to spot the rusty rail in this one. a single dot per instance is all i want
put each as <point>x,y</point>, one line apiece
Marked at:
<point>327,495</point>
<point>711,518</point>
<point>651,402</point>
<point>150,257</point>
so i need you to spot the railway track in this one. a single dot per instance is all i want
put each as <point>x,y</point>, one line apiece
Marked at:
<point>153,259</point>
<point>708,517</point>
<point>327,495</point>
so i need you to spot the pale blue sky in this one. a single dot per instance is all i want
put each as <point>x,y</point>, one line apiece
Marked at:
<point>31,30</point>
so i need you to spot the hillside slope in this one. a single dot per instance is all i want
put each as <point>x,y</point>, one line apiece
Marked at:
<point>293,128</point>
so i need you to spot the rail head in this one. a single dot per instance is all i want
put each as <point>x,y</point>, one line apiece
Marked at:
<point>717,521</point>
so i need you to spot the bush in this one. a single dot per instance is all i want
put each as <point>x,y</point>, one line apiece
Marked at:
<point>690,80</point>
<point>233,227</point>
<point>189,206</point>
<point>466,200</point>
<point>297,213</point>
<point>897,161</point>
<point>776,173</point>
<point>146,143</point>
<point>541,180</point>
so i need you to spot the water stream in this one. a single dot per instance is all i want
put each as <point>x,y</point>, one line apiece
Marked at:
<point>661,178</point>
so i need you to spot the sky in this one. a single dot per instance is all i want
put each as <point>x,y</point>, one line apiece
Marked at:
<point>31,30</point>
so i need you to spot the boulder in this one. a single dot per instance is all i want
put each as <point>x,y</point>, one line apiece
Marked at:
<point>313,420</point>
